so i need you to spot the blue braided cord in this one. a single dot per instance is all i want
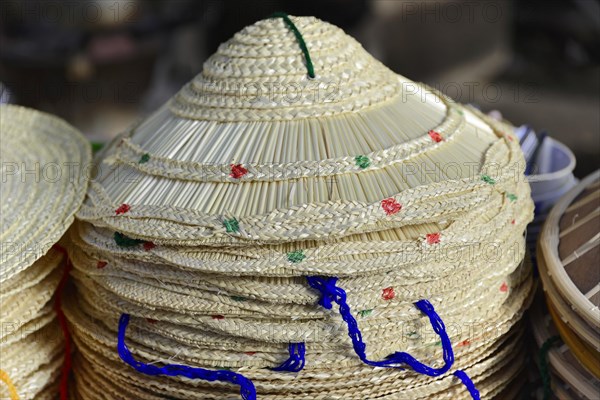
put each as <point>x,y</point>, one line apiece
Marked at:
<point>331,293</point>
<point>468,383</point>
<point>247,389</point>
<point>438,327</point>
<point>296,361</point>
<point>334,294</point>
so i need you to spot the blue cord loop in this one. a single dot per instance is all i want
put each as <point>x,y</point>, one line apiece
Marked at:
<point>247,389</point>
<point>331,293</point>
<point>296,361</point>
<point>438,327</point>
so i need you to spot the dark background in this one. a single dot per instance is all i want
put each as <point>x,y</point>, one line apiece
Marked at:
<point>103,64</point>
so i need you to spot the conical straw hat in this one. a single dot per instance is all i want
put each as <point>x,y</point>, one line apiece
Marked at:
<point>220,165</point>
<point>214,221</point>
<point>44,165</point>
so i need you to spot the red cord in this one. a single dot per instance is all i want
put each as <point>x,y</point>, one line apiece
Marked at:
<point>66,369</point>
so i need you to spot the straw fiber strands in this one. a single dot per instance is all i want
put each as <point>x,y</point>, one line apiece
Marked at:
<point>39,200</point>
<point>322,227</point>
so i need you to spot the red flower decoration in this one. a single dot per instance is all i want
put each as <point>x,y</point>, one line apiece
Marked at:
<point>123,208</point>
<point>250,353</point>
<point>149,246</point>
<point>101,264</point>
<point>217,317</point>
<point>433,238</point>
<point>151,321</point>
<point>435,136</point>
<point>388,293</point>
<point>504,287</point>
<point>390,206</point>
<point>465,343</point>
<point>237,171</point>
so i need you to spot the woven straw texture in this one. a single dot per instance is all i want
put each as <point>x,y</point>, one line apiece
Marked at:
<point>31,345</point>
<point>205,219</point>
<point>43,160</point>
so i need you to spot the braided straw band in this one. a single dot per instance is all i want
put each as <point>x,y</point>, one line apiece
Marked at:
<point>247,389</point>
<point>286,330</point>
<point>316,220</point>
<point>118,380</point>
<point>310,222</point>
<point>334,258</point>
<point>282,378</point>
<point>257,357</point>
<point>131,154</point>
<point>204,354</point>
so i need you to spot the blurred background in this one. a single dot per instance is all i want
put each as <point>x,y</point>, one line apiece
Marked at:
<point>103,64</point>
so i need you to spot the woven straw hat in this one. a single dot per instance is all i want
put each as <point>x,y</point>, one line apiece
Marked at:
<point>212,152</point>
<point>32,345</point>
<point>43,184</point>
<point>295,154</point>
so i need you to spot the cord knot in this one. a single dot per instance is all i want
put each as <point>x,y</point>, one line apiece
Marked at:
<point>328,289</point>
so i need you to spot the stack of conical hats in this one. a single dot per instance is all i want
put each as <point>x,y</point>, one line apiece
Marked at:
<point>42,186</point>
<point>206,219</point>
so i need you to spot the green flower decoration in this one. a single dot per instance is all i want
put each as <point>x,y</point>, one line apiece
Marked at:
<point>362,161</point>
<point>488,179</point>
<point>125,241</point>
<point>231,225</point>
<point>144,158</point>
<point>295,256</point>
<point>238,298</point>
<point>365,313</point>
<point>511,196</point>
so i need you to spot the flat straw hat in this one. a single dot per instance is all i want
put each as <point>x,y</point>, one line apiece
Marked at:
<point>44,180</point>
<point>44,166</point>
<point>294,193</point>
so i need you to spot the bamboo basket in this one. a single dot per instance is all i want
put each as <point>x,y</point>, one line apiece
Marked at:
<point>568,254</point>
<point>570,245</point>
<point>570,379</point>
